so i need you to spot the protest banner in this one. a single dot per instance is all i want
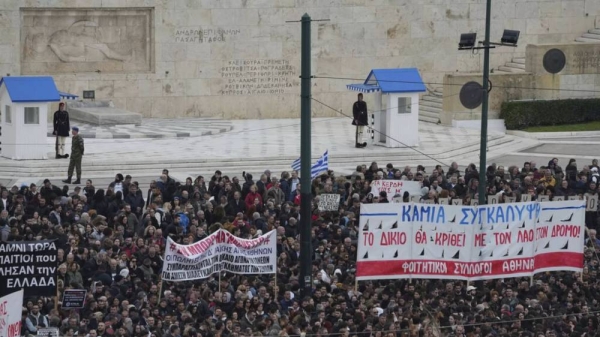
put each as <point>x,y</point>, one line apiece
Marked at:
<point>393,187</point>
<point>329,202</point>
<point>469,243</point>
<point>558,198</point>
<point>525,197</point>
<point>220,251</point>
<point>74,298</point>
<point>492,199</point>
<point>11,306</point>
<point>543,198</point>
<point>28,265</point>
<point>591,202</point>
<point>47,332</point>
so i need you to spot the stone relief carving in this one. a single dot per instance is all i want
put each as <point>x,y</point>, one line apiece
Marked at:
<point>72,44</point>
<point>61,41</point>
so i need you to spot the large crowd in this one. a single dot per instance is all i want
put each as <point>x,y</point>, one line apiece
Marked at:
<point>112,240</point>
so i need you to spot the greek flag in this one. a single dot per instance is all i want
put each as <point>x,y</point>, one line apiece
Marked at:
<point>321,165</point>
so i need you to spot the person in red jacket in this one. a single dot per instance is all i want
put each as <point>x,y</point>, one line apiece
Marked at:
<point>253,194</point>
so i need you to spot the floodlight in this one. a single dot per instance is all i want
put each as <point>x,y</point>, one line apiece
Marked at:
<point>467,40</point>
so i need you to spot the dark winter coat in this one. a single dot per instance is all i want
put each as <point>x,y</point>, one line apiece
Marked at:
<point>359,111</point>
<point>61,124</point>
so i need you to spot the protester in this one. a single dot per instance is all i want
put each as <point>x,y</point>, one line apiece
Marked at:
<point>113,245</point>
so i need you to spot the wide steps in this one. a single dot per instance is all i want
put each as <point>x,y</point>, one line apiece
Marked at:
<point>594,31</point>
<point>519,60</point>
<point>430,107</point>
<point>51,168</point>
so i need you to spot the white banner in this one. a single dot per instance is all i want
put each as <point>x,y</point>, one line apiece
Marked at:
<point>329,202</point>
<point>393,187</point>
<point>10,314</point>
<point>220,251</point>
<point>469,242</point>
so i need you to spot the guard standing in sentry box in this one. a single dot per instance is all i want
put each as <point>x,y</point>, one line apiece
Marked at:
<point>361,119</point>
<point>61,130</point>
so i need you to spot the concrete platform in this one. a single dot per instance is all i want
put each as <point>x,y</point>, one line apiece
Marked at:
<point>101,113</point>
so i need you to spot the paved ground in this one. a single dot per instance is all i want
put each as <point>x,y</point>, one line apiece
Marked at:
<point>155,128</point>
<point>267,138</point>
<point>255,145</point>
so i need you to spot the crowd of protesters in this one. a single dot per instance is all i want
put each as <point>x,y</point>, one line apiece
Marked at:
<point>112,239</point>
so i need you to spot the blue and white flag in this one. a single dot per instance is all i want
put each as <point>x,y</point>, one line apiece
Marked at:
<point>296,165</point>
<point>321,165</point>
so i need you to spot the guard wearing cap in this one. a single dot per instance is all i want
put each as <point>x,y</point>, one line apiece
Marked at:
<point>77,150</point>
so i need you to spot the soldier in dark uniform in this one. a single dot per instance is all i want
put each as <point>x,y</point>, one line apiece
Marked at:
<point>77,150</point>
<point>61,130</point>
<point>361,119</point>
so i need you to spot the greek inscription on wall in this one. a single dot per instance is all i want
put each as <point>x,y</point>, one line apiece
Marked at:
<point>258,77</point>
<point>204,35</point>
<point>586,59</point>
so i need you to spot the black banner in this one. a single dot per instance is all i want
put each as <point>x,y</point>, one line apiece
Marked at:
<point>30,265</point>
<point>74,298</point>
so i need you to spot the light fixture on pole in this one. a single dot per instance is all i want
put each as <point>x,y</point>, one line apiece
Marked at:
<point>467,41</point>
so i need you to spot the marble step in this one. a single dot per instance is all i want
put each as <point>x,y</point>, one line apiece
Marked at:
<point>510,69</point>
<point>516,65</point>
<point>431,98</point>
<point>433,109</point>
<point>586,40</point>
<point>429,114</point>
<point>424,118</point>
<point>519,60</point>
<point>430,104</point>
<point>594,31</point>
<point>591,36</point>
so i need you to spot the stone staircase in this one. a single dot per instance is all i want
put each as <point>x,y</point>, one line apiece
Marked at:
<point>430,106</point>
<point>516,65</point>
<point>592,36</point>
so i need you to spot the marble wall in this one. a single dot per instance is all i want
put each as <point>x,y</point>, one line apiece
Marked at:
<point>241,58</point>
<point>553,71</point>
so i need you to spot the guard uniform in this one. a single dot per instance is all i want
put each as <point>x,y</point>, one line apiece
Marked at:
<point>77,150</point>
